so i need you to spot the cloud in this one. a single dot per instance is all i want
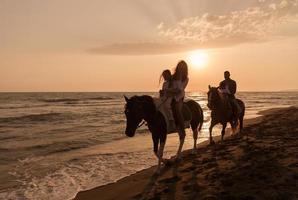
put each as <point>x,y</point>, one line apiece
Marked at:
<point>142,48</point>
<point>253,24</point>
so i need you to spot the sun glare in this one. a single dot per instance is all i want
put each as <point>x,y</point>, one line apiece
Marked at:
<point>198,59</point>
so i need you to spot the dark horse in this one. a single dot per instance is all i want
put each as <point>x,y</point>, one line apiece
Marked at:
<point>222,113</point>
<point>139,108</point>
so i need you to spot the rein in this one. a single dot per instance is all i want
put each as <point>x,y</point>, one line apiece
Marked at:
<point>144,122</point>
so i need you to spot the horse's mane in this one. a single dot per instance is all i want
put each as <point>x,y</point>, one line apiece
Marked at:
<point>147,102</point>
<point>143,98</point>
<point>215,90</point>
<point>218,95</point>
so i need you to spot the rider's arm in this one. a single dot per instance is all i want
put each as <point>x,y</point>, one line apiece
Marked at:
<point>222,85</point>
<point>233,88</point>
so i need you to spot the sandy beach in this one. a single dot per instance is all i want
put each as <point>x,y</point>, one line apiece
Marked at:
<point>262,163</point>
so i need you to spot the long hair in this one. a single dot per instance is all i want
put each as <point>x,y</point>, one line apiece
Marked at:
<point>164,73</point>
<point>181,71</point>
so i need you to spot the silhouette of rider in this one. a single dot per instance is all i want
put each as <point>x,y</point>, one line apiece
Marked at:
<point>229,87</point>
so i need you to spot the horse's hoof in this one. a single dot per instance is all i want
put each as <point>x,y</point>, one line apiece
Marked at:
<point>211,142</point>
<point>178,159</point>
<point>157,172</point>
<point>165,161</point>
<point>194,151</point>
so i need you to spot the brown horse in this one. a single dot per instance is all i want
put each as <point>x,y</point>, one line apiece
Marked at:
<point>140,108</point>
<point>221,112</point>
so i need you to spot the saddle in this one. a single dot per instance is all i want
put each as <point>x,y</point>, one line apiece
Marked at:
<point>232,105</point>
<point>168,115</point>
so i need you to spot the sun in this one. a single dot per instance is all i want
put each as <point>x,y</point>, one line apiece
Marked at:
<point>198,59</point>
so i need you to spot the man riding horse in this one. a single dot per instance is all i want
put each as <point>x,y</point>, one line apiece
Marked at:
<point>229,87</point>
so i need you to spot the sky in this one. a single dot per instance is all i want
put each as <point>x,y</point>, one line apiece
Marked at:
<point>100,46</point>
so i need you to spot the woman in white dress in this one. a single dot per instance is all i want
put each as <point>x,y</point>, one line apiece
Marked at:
<point>180,81</point>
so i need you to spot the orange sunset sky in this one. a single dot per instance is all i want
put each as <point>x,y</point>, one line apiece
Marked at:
<point>123,45</point>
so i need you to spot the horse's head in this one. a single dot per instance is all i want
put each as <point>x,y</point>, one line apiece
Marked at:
<point>213,97</point>
<point>134,115</point>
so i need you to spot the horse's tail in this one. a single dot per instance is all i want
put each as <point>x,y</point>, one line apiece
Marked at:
<point>201,118</point>
<point>242,106</point>
<point>241,116</point>
<point>200,126</point>
<point>197,114</point>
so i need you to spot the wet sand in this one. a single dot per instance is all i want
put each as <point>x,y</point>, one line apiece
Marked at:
<point>261,163</point>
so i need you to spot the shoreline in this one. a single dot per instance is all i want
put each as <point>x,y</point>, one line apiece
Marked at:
<point>131,186</point>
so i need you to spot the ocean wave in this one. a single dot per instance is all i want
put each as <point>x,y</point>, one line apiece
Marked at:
<point>101,98</point>
<point>258,102</point>
<point>118,121</point>
<point>59,100</point>
<point>47,149</point>
<point>8,137</point>
<point>33,118</point>
<point>73,100</point>
<point>40,149</point>
<point>23,106</point>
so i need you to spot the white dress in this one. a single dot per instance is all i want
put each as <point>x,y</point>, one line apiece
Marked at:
<point>180,85</point>
<point>167,101</point>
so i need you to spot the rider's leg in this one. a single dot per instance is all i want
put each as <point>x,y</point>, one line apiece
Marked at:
<point>170,114</point>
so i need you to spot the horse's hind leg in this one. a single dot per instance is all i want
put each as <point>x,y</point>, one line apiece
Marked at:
<point>241,123</point>
<point>223,131</point>
<point>196,127</point>
<point>195,138</point>
<point>210,133</point>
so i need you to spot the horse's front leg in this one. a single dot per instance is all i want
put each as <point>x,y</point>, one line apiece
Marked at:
<point>155,140</point>
<point>162,140</point>
<point>181,140</point>
<point>223,131</point>
<point>210,132</point>
<point>160,155</point>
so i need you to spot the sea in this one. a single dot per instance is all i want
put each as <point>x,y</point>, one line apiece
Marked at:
<point>53,145</point>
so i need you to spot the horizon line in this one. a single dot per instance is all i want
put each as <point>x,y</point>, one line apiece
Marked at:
<point>286,90</point>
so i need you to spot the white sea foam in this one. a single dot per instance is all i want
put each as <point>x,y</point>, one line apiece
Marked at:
<point>100,165</point>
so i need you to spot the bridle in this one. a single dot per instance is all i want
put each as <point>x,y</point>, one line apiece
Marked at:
<point>159,106</point>
<point>142,123</point>
<point>211,100</point>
